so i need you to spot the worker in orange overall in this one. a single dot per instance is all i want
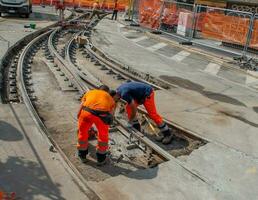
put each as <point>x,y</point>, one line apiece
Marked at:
<point>115,11</point>
<point>96,108</point>
<point>137,93</point>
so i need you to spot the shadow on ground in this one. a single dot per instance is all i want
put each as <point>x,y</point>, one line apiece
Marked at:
<point>9,133</point>
<point>27,179</point>
<point>113,168</point>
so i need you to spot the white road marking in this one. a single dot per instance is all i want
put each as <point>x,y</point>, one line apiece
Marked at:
<point>121,25</point>
<point>129,31</point>
<point>157,46</point>
<point>251,79</point>
<point>180,56</point>
<point>212,68</point>
<point>140,39</point>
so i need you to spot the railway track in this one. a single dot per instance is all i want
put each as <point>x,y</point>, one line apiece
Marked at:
<point>81,79</point>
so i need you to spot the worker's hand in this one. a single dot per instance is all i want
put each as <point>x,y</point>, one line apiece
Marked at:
<point>129,125</point>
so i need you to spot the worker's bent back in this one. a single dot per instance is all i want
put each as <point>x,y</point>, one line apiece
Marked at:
<point>98,100</point>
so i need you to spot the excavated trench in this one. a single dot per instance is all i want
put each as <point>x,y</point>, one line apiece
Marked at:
<point>58,109</point>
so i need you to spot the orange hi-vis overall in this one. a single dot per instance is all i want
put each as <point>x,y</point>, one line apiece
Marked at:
<point>98,100</point>
<point>150,107</point>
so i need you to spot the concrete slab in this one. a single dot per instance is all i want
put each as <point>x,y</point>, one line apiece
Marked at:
<point>27,167</point>
<point>216,107</point>
<point>232,173</point>
<point>165,182</point>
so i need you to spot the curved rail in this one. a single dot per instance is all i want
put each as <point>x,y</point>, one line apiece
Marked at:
<point>42,128</point>
<point>92,80</point>
<point>68,70</point>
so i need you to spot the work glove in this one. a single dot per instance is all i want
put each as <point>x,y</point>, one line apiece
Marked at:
<point>129,125</point>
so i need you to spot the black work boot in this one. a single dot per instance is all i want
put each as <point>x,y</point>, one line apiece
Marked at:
<point>101,158</point>
<point>137,125</point>
<point>168,136</point>
<point>82,155</point>
<point>165,136</point>
<point>159,137</point>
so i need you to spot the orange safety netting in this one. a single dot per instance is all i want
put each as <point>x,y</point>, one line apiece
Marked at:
<point>171,12</point>
<point>230,29</point>
<point>254,40</point>
<point>104,4</point>
<point>149,13</point>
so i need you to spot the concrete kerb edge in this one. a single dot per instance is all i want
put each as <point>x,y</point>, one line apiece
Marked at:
<point>210,56</point>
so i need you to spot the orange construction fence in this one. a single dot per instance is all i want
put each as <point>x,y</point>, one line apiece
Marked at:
<point>105,4</point>
<point>214,24</point>
<point>149,13</point>
<point>230,29</point>
<point>254,40</point>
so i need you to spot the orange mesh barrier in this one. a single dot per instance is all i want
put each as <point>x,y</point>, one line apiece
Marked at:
<point>230,29</point>
<point>149,13</point>
<point>105,4</point>
<point>211,26</point>
<point>254,40</point>
<point>235,30</point>
<point>171,14</point>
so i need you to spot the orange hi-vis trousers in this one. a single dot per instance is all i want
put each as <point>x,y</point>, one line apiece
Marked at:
<point>150,107</point>
<point>85,122</point>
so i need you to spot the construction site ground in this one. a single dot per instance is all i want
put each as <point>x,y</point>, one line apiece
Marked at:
<point>27,167</point>
<point>208,98</point>
<point>218,103</point>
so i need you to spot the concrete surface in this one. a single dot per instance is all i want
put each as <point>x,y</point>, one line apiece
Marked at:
<point>27,167</point>
<point>230,175</point>
<point>223,101</point>
<point>215,102</point>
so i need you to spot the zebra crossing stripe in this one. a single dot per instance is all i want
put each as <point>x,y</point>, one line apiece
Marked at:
<point>251,79</point>
<point>121,25</point>
<point>180,56</point>
<point>157,46</point>
<point>212,68</point>
<point>140,39</point>
<point>129,31</point>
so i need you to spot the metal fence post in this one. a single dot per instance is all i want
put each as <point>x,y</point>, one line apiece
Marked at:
<point>249,35</point>
<point>195,9</point>
<point>133,9</point>
<point>161,13</point>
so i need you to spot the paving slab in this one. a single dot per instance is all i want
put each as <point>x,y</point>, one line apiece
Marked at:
<point>232,173</point>
<point>165,182</point>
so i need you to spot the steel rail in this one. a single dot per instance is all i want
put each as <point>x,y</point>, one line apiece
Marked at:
<point>117,69</point>
<point>92,80</point>
<point>187,132</point>
<point>141,137</point>
<point>72,170</point>
<point>122,128</point>
<point>68,70</point>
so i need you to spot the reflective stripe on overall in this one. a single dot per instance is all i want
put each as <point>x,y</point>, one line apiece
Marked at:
<point>150,107</point>
<point>85,122</point>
